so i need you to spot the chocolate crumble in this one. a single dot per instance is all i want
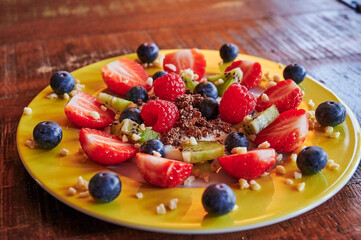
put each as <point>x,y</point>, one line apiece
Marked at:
<point>191,123</point>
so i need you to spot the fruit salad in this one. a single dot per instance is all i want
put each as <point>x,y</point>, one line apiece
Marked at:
<point>171,123</point>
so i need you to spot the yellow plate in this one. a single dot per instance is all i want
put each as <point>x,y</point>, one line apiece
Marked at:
<point>275,202</point>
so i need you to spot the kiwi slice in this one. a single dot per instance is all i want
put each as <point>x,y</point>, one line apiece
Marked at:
<point>190,84</point>
<point>116,103</point>
<point>235,75</point>
<point>128,127</point>
<point>224,65</point>
<point>261,121</point>
<point>202,151</point>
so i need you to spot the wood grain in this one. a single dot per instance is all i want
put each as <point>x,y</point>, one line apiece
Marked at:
<point>39,37</point>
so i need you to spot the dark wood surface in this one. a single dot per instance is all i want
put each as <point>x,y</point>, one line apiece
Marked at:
<point>39,37</point>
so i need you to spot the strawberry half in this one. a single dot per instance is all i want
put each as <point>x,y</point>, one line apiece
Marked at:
<point>83,110</point>
<point>287,132</point>
<point>186,59</point>
<point>249,165</point>
<point>105,148</point>
<point>285,95</point>
<point>162,172</point>
<point>123,74</point>
<point>252,72</point>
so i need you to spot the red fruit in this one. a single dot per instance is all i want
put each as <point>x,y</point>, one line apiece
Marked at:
<point>236,103</point>
<point>160,114</point>
<point>162,172</point>
<point>285,95</point>
<point>287,132</point>
<point>123,74</point>
<point>249,165</point>
<point>185,59</point>
<point>252,72</point>
<point>80,108</point>
<point>169,87</point>
<point>105,148</point>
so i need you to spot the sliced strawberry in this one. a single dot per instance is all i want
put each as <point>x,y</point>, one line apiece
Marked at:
<point>285,95</point>
<point>83,110</point>
<point>123,74</point>
<point>186,59</point>
<point>105,148</point>
<point>252,72</point>
<point>249,165</point>
<point>162,172</point>
<point>287,132</point>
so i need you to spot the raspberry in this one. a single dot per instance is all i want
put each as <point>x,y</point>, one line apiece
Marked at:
<point>236,103</point>
<point>169,87</point>
<point>160,114</point>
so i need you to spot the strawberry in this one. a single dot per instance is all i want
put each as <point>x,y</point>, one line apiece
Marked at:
<point>185,59</point>
<point>105,148</point>
<point>287,132</point>
<point>236,103</point>
<point>123,74</point>
<point>162,172</point>
<point>80,108</point>
<point>169,87</point>
<point>160,114</point>
<point>249,165</point>
<point>285,95</point>
<point>252,72</point>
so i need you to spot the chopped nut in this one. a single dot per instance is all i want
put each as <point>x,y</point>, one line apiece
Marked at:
<point>329,162</point>
<point>192,141</point>
<point>137,145</point>
<point>294,157</point>
<point>142,127</point>
<point>77,81</point>
<point>270,84</point>
<point>52,96</point>
<point>335,135</point>
<point>156,154</point>
<point>267,74</point>
<point>125,138</point>
<point>276,78</point>
<point>30,143</point>
<point>64,152</point>
<point>264,145</point>
<point>280,65</point>
<point>205,177</point>
<point>243,184</point>
<point>334,166</point>
<point>239,150</point>
<point>139,195</point>
<point>247,119</point>
<point>159,61</point>
<point>189,180</point>
<point>311,104</point>
<point>171,67</point>
<point>254,185</point>
<point>264,97</point>
<point>219,82</point>
<point>235,207</point>
<point>80,183</point>
<point>328,129</point>
<point>84,194</point>
<point>66,96</point>
<point>149,81</point>
<point>280,169</point>
<point>297,175</point>
<point>71,191</point>
<point>94,114</point>
<point>27,111</point>
<point>289,181</point>
<point>301,186</point>
<point>73,93</point>
<point>79,87</point>
<point>135,137</point>
<point>161,209</point>
<point>172,204</point>
<point>265,174</point>
<point>279,157</point>
<point>103,108</point>
<point>311,115</point>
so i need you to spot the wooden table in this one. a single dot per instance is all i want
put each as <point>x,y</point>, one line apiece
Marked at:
<point>39,37</point>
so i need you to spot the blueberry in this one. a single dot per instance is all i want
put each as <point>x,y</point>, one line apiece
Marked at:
<point>206,88</point>
<point>218,199</point>
<point>295,72</point>
<point>330,113</point>
<point>148,52</point>
<point>105,186</point>
<point>62,82</point>
<point>311,160</point>
<point>131,113</point>
<point>236,139</point>
<point>209,108</point>
<point>153,145</point>
<point>137,93</point>
<point>228,52</point>
<point>47,134</point>
<point>158,75</point>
